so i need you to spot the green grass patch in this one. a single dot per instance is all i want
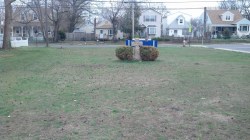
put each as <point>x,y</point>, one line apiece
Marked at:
<point>87,93</point>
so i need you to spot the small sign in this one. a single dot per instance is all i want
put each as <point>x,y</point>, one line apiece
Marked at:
<point>137,43</point>
<point>190,28</point>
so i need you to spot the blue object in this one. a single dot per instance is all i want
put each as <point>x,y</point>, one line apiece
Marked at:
<point>153,43</point>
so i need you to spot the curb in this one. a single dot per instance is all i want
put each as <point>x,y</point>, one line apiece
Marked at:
<point>232,50</point>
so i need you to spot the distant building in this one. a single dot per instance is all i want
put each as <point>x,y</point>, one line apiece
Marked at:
<point>151,22</point>
<point>177,25</point>
<point>104,31</point>
<point>221,20</point>
<point>25,23</point>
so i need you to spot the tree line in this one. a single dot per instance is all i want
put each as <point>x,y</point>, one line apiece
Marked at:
<point>67,14</point>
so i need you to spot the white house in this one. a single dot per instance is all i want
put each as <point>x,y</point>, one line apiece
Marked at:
<point>87,24</point>
<point>104,31</point>
<point>86,27</point>
<point>177,25</point>
<point>151,22</point>
<point>221,20</point>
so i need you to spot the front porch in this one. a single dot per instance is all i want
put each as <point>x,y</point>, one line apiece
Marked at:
<point>25,31</point>
<point>217,31</point>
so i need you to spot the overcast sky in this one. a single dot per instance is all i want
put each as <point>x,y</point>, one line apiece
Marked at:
<point>170,4</point>
<point>189,4</point>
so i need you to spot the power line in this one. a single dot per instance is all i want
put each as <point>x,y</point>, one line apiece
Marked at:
<point>200,1</point>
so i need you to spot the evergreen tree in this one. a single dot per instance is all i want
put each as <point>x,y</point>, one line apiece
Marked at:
<point>126,20</point>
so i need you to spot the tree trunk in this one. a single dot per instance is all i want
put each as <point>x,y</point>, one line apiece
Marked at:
<point>72,25</point>
<point>56,29</point>
<point>114,32</point>
<point>7,24</point>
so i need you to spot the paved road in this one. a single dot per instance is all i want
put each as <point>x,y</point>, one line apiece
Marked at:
<point>239,47</point>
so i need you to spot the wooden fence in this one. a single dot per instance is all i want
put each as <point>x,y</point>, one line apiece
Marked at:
<point>80,36</point>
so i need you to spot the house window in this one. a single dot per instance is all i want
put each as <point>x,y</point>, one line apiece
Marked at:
<point>244,28</point>
<point>181,21</point>
<point>228,18</point>
<point>35,17</point>
<point>149,18</point>
<point>175,31</point>
<point>152,30</point>
<point>101,31</point>
<point>110,32</point>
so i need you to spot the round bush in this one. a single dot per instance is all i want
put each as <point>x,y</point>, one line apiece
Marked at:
<point>149,53</point>
<point>62,35</point>
<point>124,53</point>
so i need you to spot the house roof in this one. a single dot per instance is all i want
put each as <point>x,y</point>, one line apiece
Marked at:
<point>215,18</point>
<point>104,25</point>
<point>171,17</point>
<point>151,9</point>
<point>174,24</point>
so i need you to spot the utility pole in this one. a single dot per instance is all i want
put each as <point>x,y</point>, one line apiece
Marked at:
<point>205,21</point>
<point>133,19</point>
<point>46,24</point>
<point>95,28</point>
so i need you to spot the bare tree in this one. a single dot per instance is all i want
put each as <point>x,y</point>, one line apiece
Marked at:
<point>159,7</point>
<point>242,5</point>
<point>126,20</point>
<point>7,23</point>
<point>75,11</point>
<point>58,11</point>
<point>229,4</point>
<point>245,8</point>
<point>25,19</point>
<point>113,14</point>
<point>37,6</point>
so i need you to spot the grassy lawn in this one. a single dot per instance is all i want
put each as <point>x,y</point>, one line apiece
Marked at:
<point>86,93</point>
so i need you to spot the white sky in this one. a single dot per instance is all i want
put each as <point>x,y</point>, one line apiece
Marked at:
<point>189,4</point>
<point>184,4</point>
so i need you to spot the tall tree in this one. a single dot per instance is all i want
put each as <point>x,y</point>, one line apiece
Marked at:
<point>37,6</point>
<point>245,8</point>
<point>7,23</point>
<point>75,11</point>
<point>229,4</point>
<point>242,5</point>
<point>126,19</point>
<point>24,16</point>
<point>57,10</point>
<point>113,14</point>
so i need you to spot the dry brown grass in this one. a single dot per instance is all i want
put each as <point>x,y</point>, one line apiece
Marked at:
<point>86,93</point>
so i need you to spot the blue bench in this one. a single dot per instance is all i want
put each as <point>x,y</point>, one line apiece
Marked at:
<point>153,43</point>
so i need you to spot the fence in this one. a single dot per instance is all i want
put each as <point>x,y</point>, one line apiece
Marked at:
<point>192,40</point>
<point>16,42</point>
<point>80,36</point>
<point>19,41</point>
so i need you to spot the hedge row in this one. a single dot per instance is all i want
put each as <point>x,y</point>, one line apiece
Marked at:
<point>146,53</point>
<point>124,53</point>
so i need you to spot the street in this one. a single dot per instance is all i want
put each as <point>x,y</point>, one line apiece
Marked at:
<point>239,47</point>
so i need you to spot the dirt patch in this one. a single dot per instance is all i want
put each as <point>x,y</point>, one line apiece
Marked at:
<point>214,101</point>
<point>93,66</point>
<point>129,79</point>
<point>217,117</point>
<point>48,125</point>
<point>6,55</point>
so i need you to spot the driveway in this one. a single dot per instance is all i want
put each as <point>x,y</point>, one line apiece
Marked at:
<point>239,47</point>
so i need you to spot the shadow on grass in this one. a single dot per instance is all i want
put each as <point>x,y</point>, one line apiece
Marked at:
<point>135,61</point>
